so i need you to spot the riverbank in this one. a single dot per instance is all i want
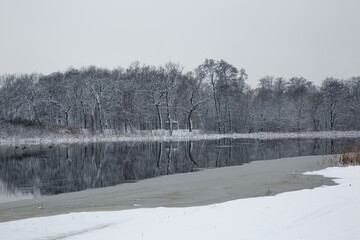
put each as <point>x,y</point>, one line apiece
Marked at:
<point>163,135</point>
<point>329,212</point>
<point>257,178</point>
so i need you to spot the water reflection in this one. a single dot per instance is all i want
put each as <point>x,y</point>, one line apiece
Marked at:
<point>48,170</point>
<point>15,195</point>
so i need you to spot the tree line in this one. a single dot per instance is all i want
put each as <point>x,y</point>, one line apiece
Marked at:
<point>214,97</point>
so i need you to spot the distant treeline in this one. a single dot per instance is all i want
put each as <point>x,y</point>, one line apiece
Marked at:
<point>213,97</point>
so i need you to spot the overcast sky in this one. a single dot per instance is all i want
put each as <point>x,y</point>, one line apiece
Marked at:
<point>281,38</point>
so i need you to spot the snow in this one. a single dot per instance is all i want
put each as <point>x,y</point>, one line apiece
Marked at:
<point>178,135</point>
<point>328,212</point>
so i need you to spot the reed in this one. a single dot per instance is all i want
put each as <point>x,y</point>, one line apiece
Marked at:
<point>350,157</point>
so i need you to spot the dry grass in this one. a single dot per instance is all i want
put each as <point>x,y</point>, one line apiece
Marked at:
<point>347,157</point>
<point>350,157</point>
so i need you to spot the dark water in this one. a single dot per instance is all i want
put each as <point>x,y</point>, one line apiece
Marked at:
<point>45,170</point>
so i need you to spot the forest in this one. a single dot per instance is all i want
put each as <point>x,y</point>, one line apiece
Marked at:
<point>214,98</point>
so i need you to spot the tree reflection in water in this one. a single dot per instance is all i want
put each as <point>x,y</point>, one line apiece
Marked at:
<point>45,170</point>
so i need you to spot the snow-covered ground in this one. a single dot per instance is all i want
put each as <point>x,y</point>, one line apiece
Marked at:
<point>178,135</point>
<point>330,212</point>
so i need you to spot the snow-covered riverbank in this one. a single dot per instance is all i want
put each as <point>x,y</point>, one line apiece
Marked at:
<point>330,212</point>
<point>178,135</point>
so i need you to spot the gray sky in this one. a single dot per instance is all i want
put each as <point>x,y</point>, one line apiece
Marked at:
<point>281,38</point>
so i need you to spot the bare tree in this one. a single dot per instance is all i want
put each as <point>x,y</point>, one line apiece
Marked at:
<point>208,72</point>
<point>193,87</point>
<point>335,100</point>
<point>172,73</point>
<point>98,83</point>
<point>8,93</point>
<point>298,91</point>
<point>154,90</point>
<point>354,101</point>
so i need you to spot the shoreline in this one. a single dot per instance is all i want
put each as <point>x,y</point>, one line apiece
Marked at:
<point>305,214</point>
<point>178,135</point>
<point>210,186</point>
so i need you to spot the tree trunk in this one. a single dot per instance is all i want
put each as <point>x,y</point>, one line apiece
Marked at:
<point>83,113</point>
<point>216,108</point>
<point>159,116</point>
<point>168,113</point>
<point>67,116</point>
